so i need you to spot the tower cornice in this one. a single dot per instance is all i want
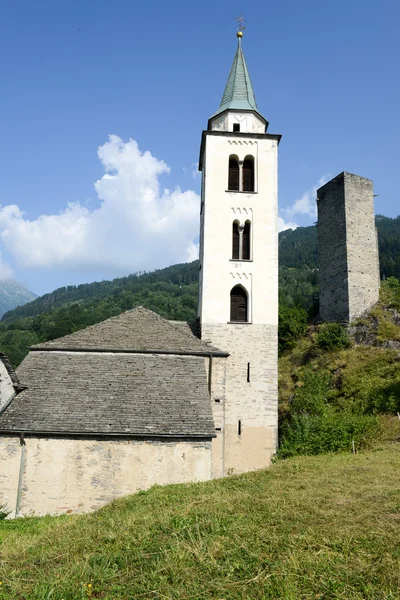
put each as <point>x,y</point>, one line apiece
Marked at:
<point>234,135</point>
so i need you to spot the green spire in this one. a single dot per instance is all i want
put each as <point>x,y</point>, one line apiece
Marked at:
<point>239,92</point>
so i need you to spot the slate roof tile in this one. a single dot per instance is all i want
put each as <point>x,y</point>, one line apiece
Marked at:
<point>105,393</point>
<point>136,329</point>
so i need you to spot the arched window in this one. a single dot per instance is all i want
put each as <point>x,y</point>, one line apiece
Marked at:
<point>238,305</point>
<point>233,176</point>
<point>248,174</point>
<point>246,241</point>
<point>235,240</point>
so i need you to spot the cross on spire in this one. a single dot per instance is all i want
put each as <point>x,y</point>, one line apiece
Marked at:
<point>241,22</point>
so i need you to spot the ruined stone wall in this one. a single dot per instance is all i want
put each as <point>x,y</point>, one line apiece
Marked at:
<point>76,475</point>
<point>333,289</point>
<point>348,249</point>
<point>362,247</point>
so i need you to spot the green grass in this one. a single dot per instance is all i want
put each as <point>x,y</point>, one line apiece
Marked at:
<point>308,527</point>
<point>360,372</point>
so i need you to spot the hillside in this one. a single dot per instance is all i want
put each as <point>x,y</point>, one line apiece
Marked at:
<point>312,526</point>
<point>13,294</point>
<point>308,527</point>
<point>299,247</point>
<point>171,292</point>
<point>178,276</point>
<point>297,250</point>
<point>337,386</point>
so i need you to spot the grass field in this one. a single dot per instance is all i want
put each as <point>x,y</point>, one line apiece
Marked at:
<point>308,527</point>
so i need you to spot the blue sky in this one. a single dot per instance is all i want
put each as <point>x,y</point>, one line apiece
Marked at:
<point>326,76</point>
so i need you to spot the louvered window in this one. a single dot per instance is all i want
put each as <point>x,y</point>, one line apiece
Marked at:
<point>233,178</point>
<point>248,174</point>
<point>235,240</point>
<point>238,305</point>
<point>246,241</point>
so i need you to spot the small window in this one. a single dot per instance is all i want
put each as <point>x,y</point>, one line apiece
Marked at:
<point>246,241</point>
<point>248,174</point>
<point>235,240</point>
<point>238,305</point>
<point>233,176</point>
<point>236,127</point>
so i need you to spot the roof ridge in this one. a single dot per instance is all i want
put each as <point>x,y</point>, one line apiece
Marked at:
<point>138,329</point>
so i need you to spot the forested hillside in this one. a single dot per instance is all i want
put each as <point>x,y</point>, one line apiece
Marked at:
<point>176,277</point>
<point>172,292</point>
<point>299,247</point>
<point>389,245</point>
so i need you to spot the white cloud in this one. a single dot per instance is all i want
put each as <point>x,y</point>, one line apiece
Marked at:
<point>306,204</point>
<point>6,271</point>
<point>283,225</point>
<point>136,226</point>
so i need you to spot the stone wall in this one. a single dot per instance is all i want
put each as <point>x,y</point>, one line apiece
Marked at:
<point>253,402</point>
<point>348,249</point>
<point>80,475</point>
<point>333,294</point>
<point>246,417</point>
<point>362,246</point>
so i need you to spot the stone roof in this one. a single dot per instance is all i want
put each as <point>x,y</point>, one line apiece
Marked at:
<point>136,329</point>
<point>239,93</point>
<point>111,394</point>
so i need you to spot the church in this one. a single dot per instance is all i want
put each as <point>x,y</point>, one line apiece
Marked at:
<point>138,400</point>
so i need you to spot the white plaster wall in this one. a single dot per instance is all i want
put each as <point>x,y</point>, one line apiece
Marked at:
<point>219,273</point>
<point>6,386</point>
<point>249,122</point>
<point>67,475</point>
<point>254,403</point>
<point>10,456</point>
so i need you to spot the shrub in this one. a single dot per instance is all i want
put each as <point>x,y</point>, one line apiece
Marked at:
<point>373,386</point>
<point>4,512</point>
<point>310,397</point>
<point>390,292</point>
<point>313,426</point>
<point>292,325</point>
<point>332,336</point>
<point>333,431</point>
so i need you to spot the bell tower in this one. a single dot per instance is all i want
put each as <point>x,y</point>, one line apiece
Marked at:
<point>238,294</point>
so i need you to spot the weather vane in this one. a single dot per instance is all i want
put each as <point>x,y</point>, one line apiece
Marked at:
<point>241,21</point>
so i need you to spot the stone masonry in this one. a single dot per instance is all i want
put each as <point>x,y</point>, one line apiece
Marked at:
<point>348,248</point>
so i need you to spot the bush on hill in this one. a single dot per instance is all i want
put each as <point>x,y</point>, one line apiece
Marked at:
<point>330,393</point>
<point>332,336</point>
<point>292,325</point>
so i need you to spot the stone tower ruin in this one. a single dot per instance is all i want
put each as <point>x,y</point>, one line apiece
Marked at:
<point>348,248</point>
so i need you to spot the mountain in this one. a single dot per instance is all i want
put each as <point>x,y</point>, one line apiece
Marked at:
<point>178,279</point>
<point>13,294</point>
